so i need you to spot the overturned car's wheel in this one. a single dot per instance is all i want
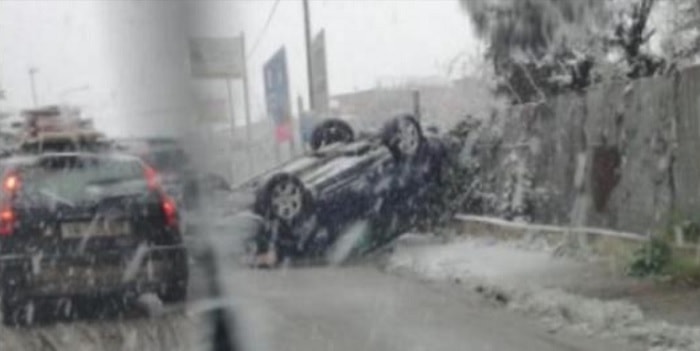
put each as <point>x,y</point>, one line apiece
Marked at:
<point>286,204</point>
<point>285,199</point>
<point>331,131</point>
<point>403,136</point>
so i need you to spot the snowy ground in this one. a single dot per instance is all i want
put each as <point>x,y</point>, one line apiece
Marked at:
<point>526,277</point>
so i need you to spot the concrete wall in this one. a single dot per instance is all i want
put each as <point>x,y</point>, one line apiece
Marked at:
<point>686,165</point>
<point>636,146</point>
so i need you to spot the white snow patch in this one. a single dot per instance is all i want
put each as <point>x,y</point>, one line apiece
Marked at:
<point>523,276</point>
<point>349,239</point>
<point>151,303</point>
<point>135,262</point>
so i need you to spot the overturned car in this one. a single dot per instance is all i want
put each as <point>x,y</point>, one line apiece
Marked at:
<point>369,188</point>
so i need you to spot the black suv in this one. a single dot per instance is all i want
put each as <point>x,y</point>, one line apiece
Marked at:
<point>85,223</point>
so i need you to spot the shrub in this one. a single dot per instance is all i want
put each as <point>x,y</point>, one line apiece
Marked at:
<point>653,258</point>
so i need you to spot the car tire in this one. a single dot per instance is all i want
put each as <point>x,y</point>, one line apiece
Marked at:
<point>403,136</point>
<point>331,131</point>
<point>14,312</point>
<point>285,199</point>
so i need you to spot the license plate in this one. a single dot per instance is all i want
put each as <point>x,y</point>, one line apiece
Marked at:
<point>95,229</point>
<point>70,280</point>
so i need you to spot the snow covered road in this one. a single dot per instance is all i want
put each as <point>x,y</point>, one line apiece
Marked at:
<point>361,308</point>
<point>524,276</point>
<point>325,308</point>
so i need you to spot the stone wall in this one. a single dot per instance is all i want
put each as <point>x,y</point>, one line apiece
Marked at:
<point>622,155</point>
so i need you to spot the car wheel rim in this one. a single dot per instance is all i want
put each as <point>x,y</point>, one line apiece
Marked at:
<point>408,138</point>
<point>331,134</point>
<point>286,200</point>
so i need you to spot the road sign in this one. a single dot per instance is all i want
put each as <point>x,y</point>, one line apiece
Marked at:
<point>277,92</point>
<point>221,57</point>
<point>319,86</point>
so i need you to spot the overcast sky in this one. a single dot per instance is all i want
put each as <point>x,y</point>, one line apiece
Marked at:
<point>127,60</point>
<point>367,41</point>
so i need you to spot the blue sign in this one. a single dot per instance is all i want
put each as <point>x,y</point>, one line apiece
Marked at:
<point>277,87</point>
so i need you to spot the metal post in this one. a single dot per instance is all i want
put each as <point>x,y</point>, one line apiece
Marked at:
<point>416,105</point>
<point>307,37</point>
<point>229,98</point>
<point>300,108</point>
<point>246,101</point>
<point>32,72</point>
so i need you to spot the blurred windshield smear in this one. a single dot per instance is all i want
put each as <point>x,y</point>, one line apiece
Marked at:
<point>268,174</point>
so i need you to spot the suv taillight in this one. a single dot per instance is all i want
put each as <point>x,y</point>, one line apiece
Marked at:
<point>167,204</point>
<point>169,211</point>
<point>10,186</point>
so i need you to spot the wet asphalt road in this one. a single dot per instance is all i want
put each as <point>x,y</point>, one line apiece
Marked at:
<point>355,307</point>
<point>362,308</point>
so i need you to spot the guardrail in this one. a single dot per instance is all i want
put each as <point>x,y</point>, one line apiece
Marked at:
<point>552,228</point>
<point>590,233</point>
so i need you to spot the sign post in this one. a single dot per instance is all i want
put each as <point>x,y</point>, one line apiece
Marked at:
<point>222,58</point>
<point>319,74</point>
<point>248,132</point>
<point>232,118</point>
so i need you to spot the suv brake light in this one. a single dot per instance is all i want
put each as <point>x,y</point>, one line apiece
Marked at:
<point>10,186</point>
<point>169,211</point>
<point>7,221</point>
<point>167,204</point>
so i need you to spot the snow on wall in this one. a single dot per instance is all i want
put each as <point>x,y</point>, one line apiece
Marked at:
<point>633,143</point>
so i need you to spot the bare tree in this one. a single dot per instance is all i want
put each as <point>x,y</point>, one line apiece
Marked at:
<point>541,48</point>
<point>683,43</point>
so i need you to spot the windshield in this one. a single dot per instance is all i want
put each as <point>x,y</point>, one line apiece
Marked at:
<point>391,175</point>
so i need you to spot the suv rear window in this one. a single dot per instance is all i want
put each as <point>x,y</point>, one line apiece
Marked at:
<point>76,179</point>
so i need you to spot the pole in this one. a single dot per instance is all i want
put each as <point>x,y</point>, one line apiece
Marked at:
<point>246,101</point>
<point>416,105</point>
<point>32,72</point>
<point>229,99</point>
<point>300,108</point>
<point>307,37</point>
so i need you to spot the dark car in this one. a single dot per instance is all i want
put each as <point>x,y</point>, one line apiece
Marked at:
<point>85,223</point>
<point>168,157</point>
<point>305,206</point>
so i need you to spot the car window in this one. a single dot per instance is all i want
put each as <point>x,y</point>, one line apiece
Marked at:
<point>80,179</point>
